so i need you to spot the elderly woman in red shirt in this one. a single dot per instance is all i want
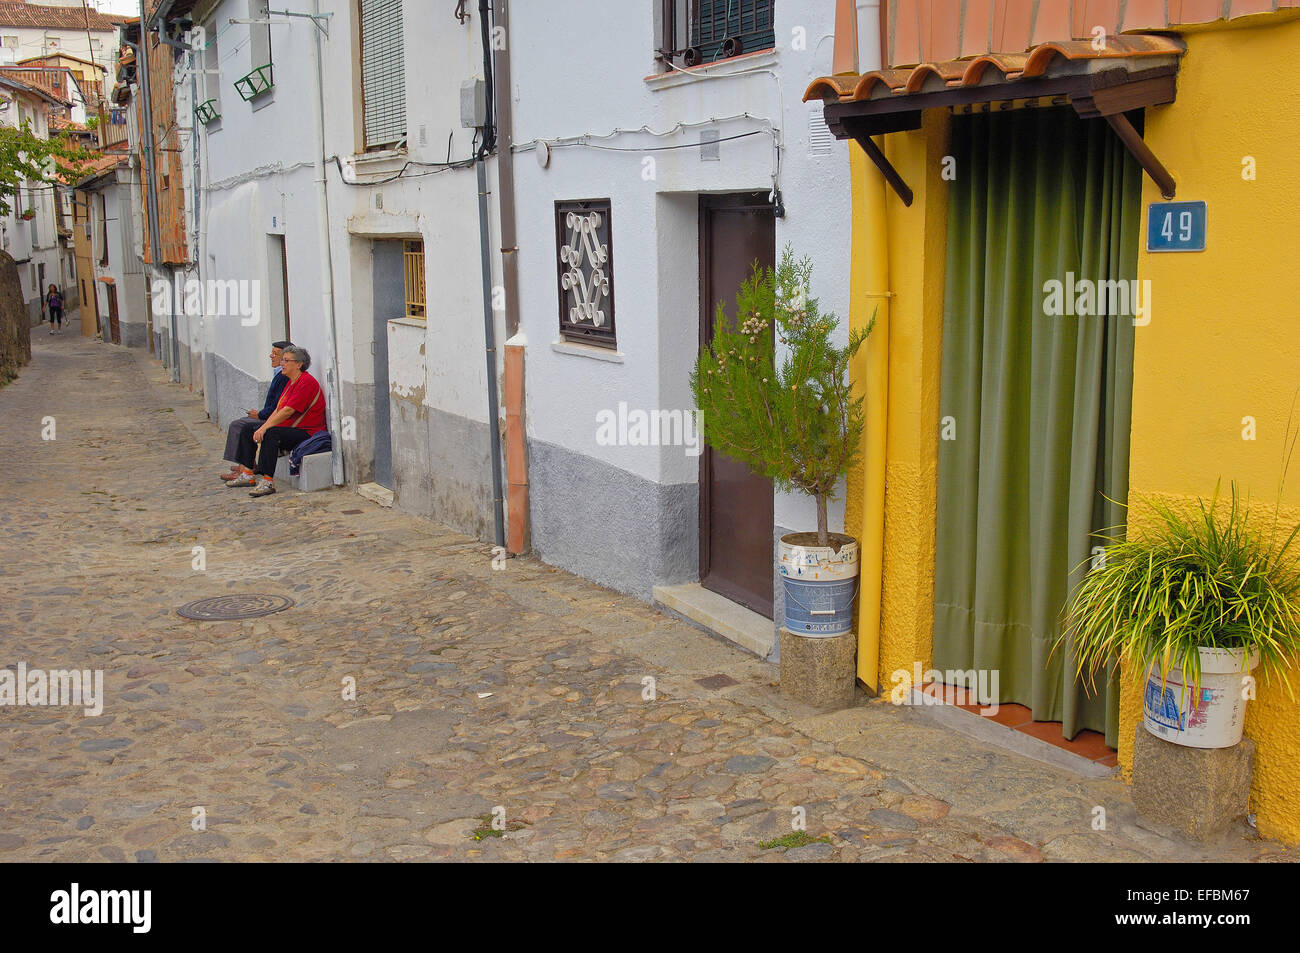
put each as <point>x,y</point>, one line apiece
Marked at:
<point>300,414</point>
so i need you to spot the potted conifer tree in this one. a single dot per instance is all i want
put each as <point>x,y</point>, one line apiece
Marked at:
<point>790,415</point>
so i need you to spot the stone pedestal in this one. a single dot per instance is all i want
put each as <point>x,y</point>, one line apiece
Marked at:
<point>1195,792</point>
<point>819,672</point>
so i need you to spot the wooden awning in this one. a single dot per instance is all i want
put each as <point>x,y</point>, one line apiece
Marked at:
<point>1099,79</point>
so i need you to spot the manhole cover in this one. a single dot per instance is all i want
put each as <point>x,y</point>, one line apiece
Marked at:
<point>245,606</point>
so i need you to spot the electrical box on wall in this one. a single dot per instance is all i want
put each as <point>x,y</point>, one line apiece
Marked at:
<point>473,104</point>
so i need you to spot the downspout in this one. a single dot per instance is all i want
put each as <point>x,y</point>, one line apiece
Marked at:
<point>516,343</point>
<point>859,40</point>
<point>155,236</point>
<point>875,280</point>
<point>485,268</point>
<point>151,179</point>
<point>326,258</point>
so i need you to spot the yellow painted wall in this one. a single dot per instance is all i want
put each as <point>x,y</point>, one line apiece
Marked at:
<point>917,242</point>
<point>1224,337</point>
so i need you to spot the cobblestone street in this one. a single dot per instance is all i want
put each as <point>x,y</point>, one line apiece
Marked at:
<point>521,688</point>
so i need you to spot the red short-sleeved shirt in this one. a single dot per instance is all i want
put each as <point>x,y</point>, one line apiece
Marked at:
<point>298,395</point>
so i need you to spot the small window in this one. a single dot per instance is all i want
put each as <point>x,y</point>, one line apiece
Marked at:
<point>585,264</point>
<point>259,32</point>
<point>699,32</point>
<point>413,278</point>
<point>103,228</point>
<point>211,60</point>
<point>261,78</point>
<point>383,74</point>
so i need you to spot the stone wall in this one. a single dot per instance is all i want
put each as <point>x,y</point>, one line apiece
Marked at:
<point>15,329</point>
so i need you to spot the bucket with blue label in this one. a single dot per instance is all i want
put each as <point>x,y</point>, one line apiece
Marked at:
<point>1205,713</point>
<point>820,583</point>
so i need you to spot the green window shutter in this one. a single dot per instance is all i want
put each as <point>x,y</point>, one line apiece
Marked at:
<point>749,21</point>
<point>383,72</point>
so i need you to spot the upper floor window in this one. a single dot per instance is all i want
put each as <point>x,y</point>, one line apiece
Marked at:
<point>698,32</point>
<point>585,253</point>
<point>383,74</point>
<point>261,76</point>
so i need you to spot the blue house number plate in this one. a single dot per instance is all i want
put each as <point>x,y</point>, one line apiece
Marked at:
<point>1176,226</point>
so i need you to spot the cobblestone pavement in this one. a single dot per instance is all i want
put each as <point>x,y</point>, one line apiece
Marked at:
<point>520,688</point>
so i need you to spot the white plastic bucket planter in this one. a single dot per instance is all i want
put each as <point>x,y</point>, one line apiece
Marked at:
<point>819,584</point>
<point>1211,715</point>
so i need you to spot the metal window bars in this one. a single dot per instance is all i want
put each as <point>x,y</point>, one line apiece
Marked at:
<point>702,31</point>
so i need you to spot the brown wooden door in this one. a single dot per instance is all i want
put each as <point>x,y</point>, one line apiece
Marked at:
<point>115,329</point>
<point>736,558</point>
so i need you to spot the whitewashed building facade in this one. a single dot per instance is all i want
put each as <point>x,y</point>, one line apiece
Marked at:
<point>374,259</point>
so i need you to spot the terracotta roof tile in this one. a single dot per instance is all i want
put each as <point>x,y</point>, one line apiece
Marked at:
<point>69,18</point>
<point>992,68</point>
<point>938,30</point>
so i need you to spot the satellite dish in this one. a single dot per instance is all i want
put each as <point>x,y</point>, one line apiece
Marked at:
<point>544,154</point>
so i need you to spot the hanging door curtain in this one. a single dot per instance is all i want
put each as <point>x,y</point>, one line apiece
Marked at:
<point>1036,397</point>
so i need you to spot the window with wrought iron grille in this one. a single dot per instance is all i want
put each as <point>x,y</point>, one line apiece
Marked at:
<point>413,277</point>
<point>585,267</point>
<point>698,32</point>
<point>383,74</point>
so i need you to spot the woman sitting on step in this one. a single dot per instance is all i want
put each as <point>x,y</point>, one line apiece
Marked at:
<point>300,414</point>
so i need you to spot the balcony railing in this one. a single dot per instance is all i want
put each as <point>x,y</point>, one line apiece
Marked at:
<point>207,112</point>
<point>255,83</point>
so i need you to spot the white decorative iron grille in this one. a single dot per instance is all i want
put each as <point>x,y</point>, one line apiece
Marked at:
<point>586,271</point>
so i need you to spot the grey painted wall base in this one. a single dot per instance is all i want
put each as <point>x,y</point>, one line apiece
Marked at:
<point>442,467</point>
<point>611,526</point>
<point>230,392</point>
<point>134,335</point>
<point>359,452</point>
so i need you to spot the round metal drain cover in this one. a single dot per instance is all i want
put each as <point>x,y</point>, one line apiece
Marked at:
<point>245,606</point>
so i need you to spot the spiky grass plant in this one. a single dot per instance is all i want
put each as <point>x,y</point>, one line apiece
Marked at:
<point>1199,578</point>
<point>799,424</point>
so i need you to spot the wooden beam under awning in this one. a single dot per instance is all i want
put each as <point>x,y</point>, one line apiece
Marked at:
<point>1107,94</point>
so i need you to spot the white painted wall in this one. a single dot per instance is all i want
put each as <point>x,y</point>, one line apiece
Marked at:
<point>257,180</point>
<point>439,207</point>
<point>100,48</point>
<point>558,96</point>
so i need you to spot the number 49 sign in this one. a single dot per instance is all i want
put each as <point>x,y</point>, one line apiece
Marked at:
<point>1176,226</point>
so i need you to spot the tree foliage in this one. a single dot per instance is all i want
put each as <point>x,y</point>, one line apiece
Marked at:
<point>797,424</point>
<point>25,157</point>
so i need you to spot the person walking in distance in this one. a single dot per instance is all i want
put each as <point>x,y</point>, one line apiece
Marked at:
<point>54,301</point>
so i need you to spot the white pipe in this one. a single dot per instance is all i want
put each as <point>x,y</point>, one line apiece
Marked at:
<point>870,55</point>
<point>327,261</point>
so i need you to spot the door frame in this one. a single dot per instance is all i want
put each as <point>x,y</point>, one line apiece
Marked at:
<point>710,202</point>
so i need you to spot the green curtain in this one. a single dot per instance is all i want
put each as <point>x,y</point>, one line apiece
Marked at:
<point>1037,445</point>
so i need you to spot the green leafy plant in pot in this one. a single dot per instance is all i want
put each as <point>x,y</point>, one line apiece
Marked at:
<point>1196,603</point>
<point>795,422</point>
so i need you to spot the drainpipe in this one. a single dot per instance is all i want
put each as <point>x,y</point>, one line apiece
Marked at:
<point>485,267</point>
<point>489,335</point>
<point>858,42</point>
<point>151,179</point>
<point>875,277</point>
<point>326,257</point>
<point>516,441</point>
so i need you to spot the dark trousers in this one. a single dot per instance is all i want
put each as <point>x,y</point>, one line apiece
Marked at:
<point>239,441</point>
<point>274,441</point>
